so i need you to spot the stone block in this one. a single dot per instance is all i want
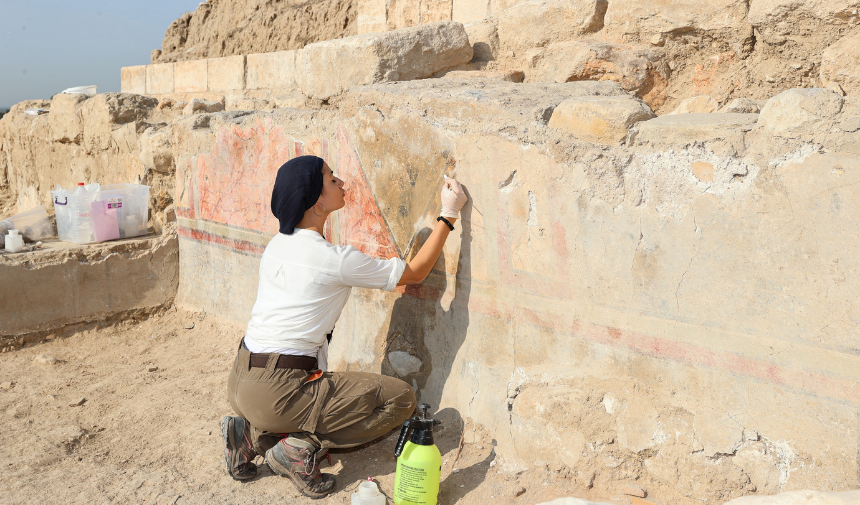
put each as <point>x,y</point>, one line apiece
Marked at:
<point>371,16</point>
<point>536,24</point>
<point>791,112</point>
<point>133,79</point>
<point>653,18</point>
<point>431,11</point>
<point>226,74</point>
<point>159,79</point>
<point>507,75</point>
<point>403,14</point>
<point>603,120</point>
<point>466,11</point>
<point>776,20</point>
<point>840,64</point>
<point>638,69</point>
<point>190,76</point>
<point>271,70</point>
<point>64,121</point>
<point>679,130</point>
<point>697,105</point>
<point>484,37</point>
<point>331,67</point>
<point>404,363</point>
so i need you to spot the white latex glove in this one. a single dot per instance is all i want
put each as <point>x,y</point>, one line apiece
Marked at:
<point>453,198</point>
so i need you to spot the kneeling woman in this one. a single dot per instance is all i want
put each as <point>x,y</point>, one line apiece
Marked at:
<point>290,408</point>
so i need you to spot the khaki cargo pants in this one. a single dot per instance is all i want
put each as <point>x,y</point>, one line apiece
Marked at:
<point>338,409</point>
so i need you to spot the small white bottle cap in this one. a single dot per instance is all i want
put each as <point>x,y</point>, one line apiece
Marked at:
<point>13,232</point>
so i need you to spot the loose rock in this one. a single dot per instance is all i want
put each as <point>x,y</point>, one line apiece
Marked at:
<point>152,368</point>
<point>77,403</point>
<point>44,359</point>
<point>697,104</point>
<point>6,385</point>
<point>519,491</point>
<point>404,363</point>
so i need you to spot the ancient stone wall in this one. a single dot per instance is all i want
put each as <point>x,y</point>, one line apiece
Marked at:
<point>672,305</point>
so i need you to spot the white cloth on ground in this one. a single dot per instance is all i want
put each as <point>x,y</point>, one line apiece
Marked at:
<point>305,282</point>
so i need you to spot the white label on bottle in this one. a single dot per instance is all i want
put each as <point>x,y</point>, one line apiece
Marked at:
<point>114,203</point>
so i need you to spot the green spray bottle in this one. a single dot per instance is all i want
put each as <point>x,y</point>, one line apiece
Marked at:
<point>419,463</point>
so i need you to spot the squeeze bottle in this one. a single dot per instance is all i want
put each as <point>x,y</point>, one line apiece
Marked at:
<point>419,463</point>
<point>367,494</point>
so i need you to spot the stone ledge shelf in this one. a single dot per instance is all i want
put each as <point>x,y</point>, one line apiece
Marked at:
<point>410,53</point>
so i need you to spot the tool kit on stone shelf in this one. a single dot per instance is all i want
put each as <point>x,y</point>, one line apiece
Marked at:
<point>96,213</point>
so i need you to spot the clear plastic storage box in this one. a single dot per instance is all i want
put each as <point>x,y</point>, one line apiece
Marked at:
<point>95,213</point>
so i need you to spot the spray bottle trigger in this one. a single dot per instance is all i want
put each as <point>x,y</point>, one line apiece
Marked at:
<point>405,431</point>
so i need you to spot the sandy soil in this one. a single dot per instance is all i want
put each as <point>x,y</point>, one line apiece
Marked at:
<point>145,436</point>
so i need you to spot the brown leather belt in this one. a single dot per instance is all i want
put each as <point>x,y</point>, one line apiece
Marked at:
<point>260,360</point>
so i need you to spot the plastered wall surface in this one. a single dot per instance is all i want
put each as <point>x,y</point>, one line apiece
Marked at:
<point>675,307</point>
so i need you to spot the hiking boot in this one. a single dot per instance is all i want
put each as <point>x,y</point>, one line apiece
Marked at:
<point>238,451</point>
<point>298,459</point>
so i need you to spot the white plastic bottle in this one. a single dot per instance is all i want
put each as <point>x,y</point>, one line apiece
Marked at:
<point>84,221</point>
<point>14,242</point>
<point>368,494</point>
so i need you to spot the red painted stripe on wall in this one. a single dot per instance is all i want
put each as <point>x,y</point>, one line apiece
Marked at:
<point>238,245</point>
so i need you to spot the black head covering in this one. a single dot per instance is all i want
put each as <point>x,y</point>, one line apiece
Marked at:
<point>297,188</point>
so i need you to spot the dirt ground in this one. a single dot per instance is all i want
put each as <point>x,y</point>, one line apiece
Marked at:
<point>153,437</point>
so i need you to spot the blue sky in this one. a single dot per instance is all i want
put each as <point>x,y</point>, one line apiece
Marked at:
<point>47,46</point>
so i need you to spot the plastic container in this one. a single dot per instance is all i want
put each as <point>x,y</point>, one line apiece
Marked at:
<point>14,242</point>
<point>33,224</point>
<point>84,90</point>
<point>368,494</point>
<point>95,213</point>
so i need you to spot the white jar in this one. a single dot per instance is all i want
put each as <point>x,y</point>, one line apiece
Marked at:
<point>14,242</point>
<point>368,494</point>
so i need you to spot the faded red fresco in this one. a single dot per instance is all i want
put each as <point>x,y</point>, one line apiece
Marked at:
<point>361,223</point>
<point>235,180</point>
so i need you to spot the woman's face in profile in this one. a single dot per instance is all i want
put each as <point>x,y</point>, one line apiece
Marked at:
<point>332,192</point>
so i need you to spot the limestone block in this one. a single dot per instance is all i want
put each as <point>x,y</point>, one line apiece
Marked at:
<point>294,99</point>
<point>789,112</point>
<point>189,76</point>
<point>403,14</point>
<point>507,75</point>
<point>650,18</point>
<point>331,67</point>
<point>744,106</point>
<point>155,150</point>
<point>801,498</point>
<point>431,11</point>
<point>271,70</point>
<point>541,427</point>
<point>466,11</point>
<point>133,79</point>
<point>64,121</point>
<point>639,425</point>
<point>226,74</point>
<point>840,64</point>
<point>371,16</point>
<point>775,19</point>
<point>638,69</point>
<point>484,37</point>
<point>600,119</point>
<point>703,104</point>
<point>159,78</point>
<point>536,24</point>
<point>675,131</point>
<point>404,363</point>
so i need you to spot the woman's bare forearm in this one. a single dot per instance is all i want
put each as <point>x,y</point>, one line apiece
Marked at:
<point>419,268</point>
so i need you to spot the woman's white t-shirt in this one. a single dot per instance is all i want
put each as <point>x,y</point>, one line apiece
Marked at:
<point>305,282</point>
